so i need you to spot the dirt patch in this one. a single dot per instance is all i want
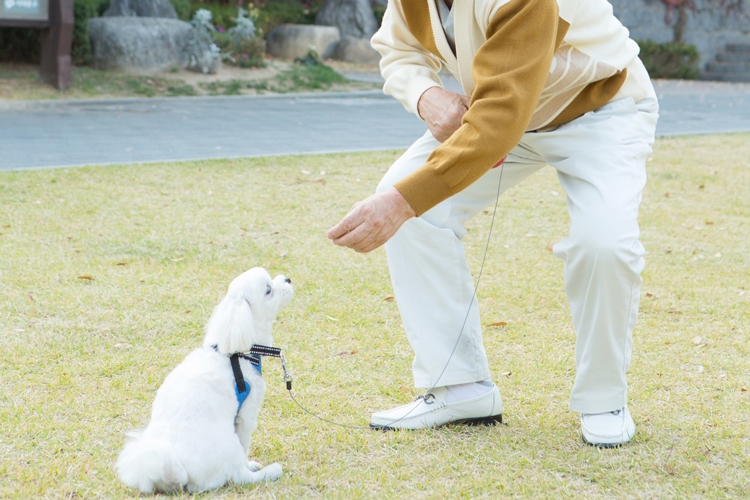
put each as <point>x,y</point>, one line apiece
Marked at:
<point>21,82</point>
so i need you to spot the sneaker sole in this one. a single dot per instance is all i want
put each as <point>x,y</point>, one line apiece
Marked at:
<point>603,445</point>
<point>471,422</point>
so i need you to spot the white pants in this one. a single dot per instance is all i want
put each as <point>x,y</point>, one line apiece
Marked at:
<point>600,159</point>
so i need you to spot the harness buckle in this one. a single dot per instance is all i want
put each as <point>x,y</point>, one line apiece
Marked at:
<point>287,375</point>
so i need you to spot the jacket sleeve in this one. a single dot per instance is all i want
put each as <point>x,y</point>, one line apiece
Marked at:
<point>407,67</point>
<point>509,70</point>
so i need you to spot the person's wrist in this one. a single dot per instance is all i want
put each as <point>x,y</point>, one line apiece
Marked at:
<point>402,204</point>
<point>425,99</point>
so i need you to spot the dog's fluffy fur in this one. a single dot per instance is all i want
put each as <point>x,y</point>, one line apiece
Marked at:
<point>193,442</point>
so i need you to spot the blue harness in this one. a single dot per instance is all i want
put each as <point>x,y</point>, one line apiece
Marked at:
<point>241,386</point>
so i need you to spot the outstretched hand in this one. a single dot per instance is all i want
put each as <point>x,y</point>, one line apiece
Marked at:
<point>372,221</point>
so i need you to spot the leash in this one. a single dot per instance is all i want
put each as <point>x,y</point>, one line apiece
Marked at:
<point>288,377</point>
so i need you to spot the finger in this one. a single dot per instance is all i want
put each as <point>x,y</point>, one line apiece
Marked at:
<point>347,224</point>
<point>369,247</point>
<point>355,237</point>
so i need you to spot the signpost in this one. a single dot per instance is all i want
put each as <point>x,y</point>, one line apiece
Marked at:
<point>55,17</point>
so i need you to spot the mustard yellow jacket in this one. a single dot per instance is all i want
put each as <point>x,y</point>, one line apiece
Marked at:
<point>528,65</point>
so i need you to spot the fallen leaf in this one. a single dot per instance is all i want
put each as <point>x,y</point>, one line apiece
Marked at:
<point>390,298</point>
<point>85,277</point>
<point>666,195</point>
<point>121,264</point>
<point>188,311</point>
<point>31,298</point>
<point>743,389</point>
<point>702,186</point>
<point>649,294</point>
<point>709,223</point>
<point>498,323</point>
<point>550,246</point>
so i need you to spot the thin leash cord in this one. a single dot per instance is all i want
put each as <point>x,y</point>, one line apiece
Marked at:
<point>455,346</point>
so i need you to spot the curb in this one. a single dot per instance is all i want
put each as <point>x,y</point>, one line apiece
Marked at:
<point>63,103</point>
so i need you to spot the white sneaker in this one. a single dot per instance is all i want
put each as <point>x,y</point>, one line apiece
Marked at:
<point>432,410</point>
<point>608,430</point>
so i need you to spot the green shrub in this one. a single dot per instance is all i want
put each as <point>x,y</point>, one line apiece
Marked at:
<point>670,60</point>
<point>83,10</point>
<point>20,44</point>
<point>379,13</point>
<point>184,9</point>
<point>272,14</point>
<point>222,15</point>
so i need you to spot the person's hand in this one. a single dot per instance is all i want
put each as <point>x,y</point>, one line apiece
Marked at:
<point>372,221</point>
<point>442,111</point>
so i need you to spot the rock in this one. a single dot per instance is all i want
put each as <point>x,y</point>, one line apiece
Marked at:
<point>356,50</point>
<point>289,41</point>
<point>351,17</point>
<point>147,44</point>
<point>141,8</point>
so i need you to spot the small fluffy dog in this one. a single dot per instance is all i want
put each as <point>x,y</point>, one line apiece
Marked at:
<point>200,429</point>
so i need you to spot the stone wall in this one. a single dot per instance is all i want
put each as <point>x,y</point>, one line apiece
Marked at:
<point>708,30</point>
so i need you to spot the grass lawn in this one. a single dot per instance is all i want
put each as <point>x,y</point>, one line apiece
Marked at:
<point>108,275</point>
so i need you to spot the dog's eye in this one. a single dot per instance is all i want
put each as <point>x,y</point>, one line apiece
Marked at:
<point>268,289</point>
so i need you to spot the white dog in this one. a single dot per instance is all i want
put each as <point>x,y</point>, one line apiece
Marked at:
<point>199,434</point>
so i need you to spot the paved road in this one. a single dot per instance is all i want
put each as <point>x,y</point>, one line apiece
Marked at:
<point>68,133</point>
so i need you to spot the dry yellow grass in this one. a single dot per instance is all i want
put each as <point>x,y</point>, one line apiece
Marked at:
<point>108,275</point>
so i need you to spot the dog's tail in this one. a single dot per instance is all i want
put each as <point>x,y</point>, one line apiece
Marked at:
<point>150,465</point>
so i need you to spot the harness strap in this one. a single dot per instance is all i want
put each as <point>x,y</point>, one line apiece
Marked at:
<point>239,379</point>
<point>264,350</point>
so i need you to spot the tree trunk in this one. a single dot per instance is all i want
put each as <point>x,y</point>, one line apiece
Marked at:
<point>681,23</point>
<point>351,17</point>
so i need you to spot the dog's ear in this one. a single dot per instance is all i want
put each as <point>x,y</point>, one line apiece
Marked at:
<point>231,325</point>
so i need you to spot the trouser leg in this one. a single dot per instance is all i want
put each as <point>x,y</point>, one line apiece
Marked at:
<point>601,163</point>
<point>431,279</point>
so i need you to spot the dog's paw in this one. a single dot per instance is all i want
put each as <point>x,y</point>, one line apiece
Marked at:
<point>271,472</point>
<point>254,466</point>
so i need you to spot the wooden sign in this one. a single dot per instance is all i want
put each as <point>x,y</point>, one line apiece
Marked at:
<point>56,18</point>
<point>31,11</point>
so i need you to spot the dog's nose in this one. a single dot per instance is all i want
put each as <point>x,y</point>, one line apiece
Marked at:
<point>288,280</point>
